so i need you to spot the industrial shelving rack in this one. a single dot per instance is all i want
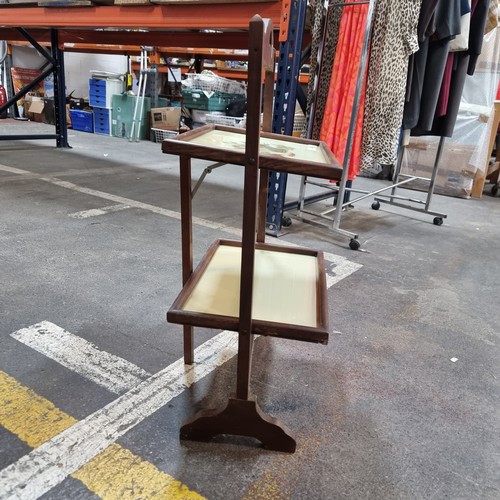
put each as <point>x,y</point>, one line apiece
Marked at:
<point>125,28</point>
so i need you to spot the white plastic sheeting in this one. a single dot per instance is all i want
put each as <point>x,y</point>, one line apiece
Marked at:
<point>466,152</point>
<point>475,118</point>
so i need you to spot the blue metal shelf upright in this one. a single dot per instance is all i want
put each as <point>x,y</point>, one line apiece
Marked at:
<point>287,81</point>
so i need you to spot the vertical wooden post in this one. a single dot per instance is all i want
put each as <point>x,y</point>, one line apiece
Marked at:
<point>254,99</point>
<point>187,244</point>
<point>267,123</point>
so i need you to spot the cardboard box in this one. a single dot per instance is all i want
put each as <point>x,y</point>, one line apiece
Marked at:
<point>166,118</point>
<point>455,174</point>
<point>35,110</point>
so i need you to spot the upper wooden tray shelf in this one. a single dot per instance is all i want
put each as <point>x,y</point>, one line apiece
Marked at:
<point>281,153</point>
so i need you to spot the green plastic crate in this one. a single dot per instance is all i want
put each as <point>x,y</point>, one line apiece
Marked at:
<point>207,101</point>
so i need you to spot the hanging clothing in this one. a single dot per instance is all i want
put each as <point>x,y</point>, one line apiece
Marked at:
<point>416,64</point>
<point>464,64</point>
<point>444,93</point>
<point>394,40</point>
<point>318,15</point>
<point>328,55</point>
<point>341,93</point>
<point>461,41</point>
<point>415,85</point>
<point>479,17</point>
<point>447,18</point>
<point>426,20</point>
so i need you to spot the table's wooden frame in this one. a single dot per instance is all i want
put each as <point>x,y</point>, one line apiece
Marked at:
<point>242,416</point>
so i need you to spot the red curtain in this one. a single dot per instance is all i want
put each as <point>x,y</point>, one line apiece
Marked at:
<point>338,110</point>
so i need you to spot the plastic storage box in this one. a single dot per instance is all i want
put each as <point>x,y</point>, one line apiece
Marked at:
<point>81,120</point>
<point>101,91</point>
<point>122,115</point>
<point>102,121</point>
<point>208,101</point>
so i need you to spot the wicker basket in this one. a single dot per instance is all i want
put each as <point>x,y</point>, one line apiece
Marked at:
<point>210,82</point>
<point>161,134</point>
<point>230,121</point>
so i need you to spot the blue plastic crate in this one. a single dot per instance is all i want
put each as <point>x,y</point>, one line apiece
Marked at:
<point>82,120</point>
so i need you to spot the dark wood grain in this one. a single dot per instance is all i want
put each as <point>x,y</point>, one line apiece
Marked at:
<point>242,416</point>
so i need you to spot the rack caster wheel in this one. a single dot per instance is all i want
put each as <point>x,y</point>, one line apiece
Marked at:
<point>438,221</point>
<point>354,244</point>
<point>286,221</point>
<point>375,205</point>
<point>494,190</point>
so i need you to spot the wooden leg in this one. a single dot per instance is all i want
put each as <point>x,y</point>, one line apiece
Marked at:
<point>244,368</point>
<point>241,417</point>
<point>262,204</point>
<point>187,245</point>
<point>188,345</point>
<point>496,174</point>
<point>480,180</point>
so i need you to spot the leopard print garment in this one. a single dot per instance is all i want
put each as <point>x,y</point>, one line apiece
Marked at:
<point>328,56</point>
<point>317,15</point>
<point>394,39</point>
<point>326,64</point>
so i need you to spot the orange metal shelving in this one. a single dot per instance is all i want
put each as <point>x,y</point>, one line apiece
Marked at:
<point>146,17</point>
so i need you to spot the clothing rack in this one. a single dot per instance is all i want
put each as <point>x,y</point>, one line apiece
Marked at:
<point>390,199</point>
<point>342,191</point>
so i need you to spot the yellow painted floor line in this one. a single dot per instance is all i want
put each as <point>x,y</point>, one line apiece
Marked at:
<point>32,418</point>
<point>116,473</point>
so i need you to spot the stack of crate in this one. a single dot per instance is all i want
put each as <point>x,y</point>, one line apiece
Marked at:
<point>206,93</point>
<point>101,91</point>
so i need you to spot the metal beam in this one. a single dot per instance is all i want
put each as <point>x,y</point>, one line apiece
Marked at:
<point>141,17</point>
<point>132,40</point>
<point>59,93</point>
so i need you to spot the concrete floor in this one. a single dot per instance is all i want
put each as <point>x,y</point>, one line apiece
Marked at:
<point>381,412</point>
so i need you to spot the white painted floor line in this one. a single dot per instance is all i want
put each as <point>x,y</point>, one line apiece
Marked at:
<point>93,212</point>
<point>107,370</point>
<point>137,204</point>
<point>14,170</point>
<point>343,267</point>
<point>62,173</point>
<point>49,464</point>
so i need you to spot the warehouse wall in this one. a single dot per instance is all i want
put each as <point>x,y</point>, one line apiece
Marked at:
<point>77,66</point>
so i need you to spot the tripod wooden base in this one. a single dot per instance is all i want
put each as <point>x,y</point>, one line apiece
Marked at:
<point>241,417</point>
